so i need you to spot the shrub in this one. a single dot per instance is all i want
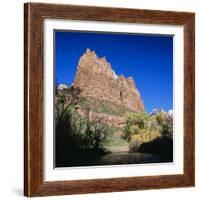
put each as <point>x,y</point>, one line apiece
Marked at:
<point>136,123</point>
<point>79,132</point>
<point>138,139</point>
<point>141,128</point>
<point>165,122</point>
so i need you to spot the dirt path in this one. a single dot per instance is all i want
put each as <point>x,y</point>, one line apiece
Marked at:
<point>124,148</point>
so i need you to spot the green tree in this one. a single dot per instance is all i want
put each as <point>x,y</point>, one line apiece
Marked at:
<point>162,121</point>
<point>136,123</point>
<point>74,131</point>
<point>64,100</point>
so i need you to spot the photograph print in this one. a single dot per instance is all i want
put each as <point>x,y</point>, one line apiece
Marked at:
<point>113,98</point>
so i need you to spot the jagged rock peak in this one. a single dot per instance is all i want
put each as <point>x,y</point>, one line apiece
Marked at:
<point>96,78</point>
<point>88,50</point>
<point>96,63</point>
<point>89,54</point>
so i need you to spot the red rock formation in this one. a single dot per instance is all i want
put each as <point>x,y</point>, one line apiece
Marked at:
<point>96,79</point>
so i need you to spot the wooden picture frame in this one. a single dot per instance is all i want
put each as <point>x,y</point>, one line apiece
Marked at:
<point>34,15</point>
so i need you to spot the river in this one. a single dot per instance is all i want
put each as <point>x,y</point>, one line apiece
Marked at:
<point>124,158</point>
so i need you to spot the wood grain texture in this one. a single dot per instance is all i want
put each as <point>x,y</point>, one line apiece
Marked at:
<point>34,15</point>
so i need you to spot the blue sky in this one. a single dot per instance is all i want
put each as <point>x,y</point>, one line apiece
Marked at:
<point>147,58</point>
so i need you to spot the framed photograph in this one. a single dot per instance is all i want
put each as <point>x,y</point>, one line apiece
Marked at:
<point>108,99</point>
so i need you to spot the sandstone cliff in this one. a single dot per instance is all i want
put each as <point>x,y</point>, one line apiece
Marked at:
<point>96,78</point>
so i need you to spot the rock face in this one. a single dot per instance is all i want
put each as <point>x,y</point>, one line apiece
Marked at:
<point>96,79</point>
<point>103,118</point>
